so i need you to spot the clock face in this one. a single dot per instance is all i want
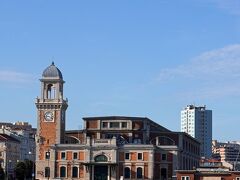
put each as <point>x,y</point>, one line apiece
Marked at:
<point>48,116</point>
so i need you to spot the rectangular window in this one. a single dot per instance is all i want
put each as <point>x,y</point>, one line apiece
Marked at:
<point>63,155</point>
<point>139,156</point>
<point>185,178</point>
<point>75,155</point>
<point>114,124</point>
<point>124,124</point>
<point>127,156</point>
<point>47,155</point>
<point>104,124</point>
<point>164,157</point>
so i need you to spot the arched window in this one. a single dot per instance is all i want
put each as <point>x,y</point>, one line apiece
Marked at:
<point>101,158</point>
<point>139,172</point>
<point>74,172</point>
<point>51,91</point>
<point>62,171</point>
<point>47,171</point>
<point>127,172</point>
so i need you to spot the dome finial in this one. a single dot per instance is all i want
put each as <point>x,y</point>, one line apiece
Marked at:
<point>52,63</point>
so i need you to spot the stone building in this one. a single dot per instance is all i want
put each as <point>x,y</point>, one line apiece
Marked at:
<point>227,152</point>
<point>25,134</point>
<point>9,154</point>
<point>107,148</point>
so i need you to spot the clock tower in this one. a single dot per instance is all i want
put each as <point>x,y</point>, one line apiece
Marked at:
<point>51,108</point>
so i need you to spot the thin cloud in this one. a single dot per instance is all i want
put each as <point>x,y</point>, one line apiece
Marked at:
<point>213,74</point>
<point>15,77</point>
<point>224,62</point>
<point>230,6</point>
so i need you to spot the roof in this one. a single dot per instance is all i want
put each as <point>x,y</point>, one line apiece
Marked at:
<point>52,72</point>
<point>127,118</point>
<point>115,118</point>
<point>5,137</point>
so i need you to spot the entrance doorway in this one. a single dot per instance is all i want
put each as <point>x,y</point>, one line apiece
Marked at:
<point>100,172</point>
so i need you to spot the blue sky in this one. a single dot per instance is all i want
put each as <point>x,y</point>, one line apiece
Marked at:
<point>132,58</point>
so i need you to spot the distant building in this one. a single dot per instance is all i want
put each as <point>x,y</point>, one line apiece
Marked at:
<point>9,153</point>
<point>227,152</point>
<point>25,134</point>
<point>108,147</point>
<point>197,122</point>
<point>211,170</point>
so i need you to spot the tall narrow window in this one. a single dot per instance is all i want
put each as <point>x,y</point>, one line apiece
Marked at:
<point>47,171</point>
<point>63,155</point>
<point>62,171</point>
<point>74,172</point>
<point>75,155</point>
<point>139,172</point>
<point>164,157</point>
<point>139,156</point>
<point>51,91</point>
<point>127,156</point>
<point>127,172</point>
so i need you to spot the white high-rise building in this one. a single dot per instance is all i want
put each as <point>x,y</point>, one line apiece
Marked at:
<point>197,122</point>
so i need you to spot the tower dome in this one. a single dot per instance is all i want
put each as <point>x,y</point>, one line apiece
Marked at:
<point>52,72</point>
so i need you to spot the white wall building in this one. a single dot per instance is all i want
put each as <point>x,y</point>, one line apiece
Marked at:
<point>197,122</point>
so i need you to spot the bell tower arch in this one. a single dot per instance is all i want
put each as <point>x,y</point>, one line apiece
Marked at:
<point>51,113</point>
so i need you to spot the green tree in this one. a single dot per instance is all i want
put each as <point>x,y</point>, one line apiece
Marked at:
<point>29,168</point>
<point>20,170</point>
<point>2,174</point>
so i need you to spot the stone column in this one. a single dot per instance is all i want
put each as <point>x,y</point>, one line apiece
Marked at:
<point>92,172</point>
<point>151,165</point>
<point>109,174</point>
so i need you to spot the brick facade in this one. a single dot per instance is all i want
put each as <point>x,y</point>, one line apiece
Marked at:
<point>112,147</point>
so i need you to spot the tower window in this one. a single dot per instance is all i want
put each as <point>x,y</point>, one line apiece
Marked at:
<point>51,91</point>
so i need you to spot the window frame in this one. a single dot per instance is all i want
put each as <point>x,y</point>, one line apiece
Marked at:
<point>47,172</point>
<point>113,127</point>
<point>139,177</point>
<point>60,172</point>
<point>77,172</point>
<point>129,177</point>
<point>125,124</point>
<point>63,152</point>
<point>185,178</point>
<point>105,122</point>
<point>165,157</point>
<point>128,156</point>
<point>141,157</point>
<point>74,157</point>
